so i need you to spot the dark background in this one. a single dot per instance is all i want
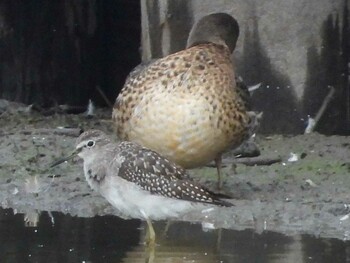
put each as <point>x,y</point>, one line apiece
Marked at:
<point>58,52</point>
<point>63,51</point>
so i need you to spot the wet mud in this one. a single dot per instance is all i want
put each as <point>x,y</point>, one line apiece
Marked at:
<point>305,191</point>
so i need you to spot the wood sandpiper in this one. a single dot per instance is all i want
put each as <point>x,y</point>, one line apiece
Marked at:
<point>139,182</point>
<point>187,105</point>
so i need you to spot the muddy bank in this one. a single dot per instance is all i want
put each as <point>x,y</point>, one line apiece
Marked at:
<point>306,192</point>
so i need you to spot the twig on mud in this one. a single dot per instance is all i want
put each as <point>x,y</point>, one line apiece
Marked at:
<point>251,161</point>
<point>313,121</point>
<point>104,97</point>
<point>74,132</point>
<point>59,109</point>
<point>310,183</point>
<point>16,149</point>
<point>90,112</point>
<point>258,161</point>
<point>50,184</point>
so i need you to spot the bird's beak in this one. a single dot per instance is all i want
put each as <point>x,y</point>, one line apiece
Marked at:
<point>73,154</point>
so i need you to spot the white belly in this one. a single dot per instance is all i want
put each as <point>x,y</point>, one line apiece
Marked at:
<point>130,200</point>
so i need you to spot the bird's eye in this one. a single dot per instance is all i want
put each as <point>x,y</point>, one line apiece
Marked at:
<point>90,143</point>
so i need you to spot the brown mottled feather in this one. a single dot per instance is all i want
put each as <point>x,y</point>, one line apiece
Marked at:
<point>187,106</point>
<point>159,176</point>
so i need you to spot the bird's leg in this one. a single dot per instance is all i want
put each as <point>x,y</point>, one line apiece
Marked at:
<point>218,162</point>
<point>167,226</point>
<point>150,254</point>
<point>150,238</point>
<point>218,240</point>
<point>150,234</point>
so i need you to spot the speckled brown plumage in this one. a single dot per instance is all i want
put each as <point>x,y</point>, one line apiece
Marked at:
<point>139,182</point>
<point>156,174</point>
<point>186,106</point>
<point>134,178</point>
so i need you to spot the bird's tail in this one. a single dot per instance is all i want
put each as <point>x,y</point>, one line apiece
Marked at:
<point>218,199</point>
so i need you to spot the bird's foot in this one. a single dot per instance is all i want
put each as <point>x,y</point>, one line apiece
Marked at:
<point>150,239</point>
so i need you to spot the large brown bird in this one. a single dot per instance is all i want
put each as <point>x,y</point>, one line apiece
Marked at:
<point>187,106</point>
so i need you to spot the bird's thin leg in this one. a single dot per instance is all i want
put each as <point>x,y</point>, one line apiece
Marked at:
<point>167,226</point>
<point>218,240</point>
<point>150,238</point>
<point>218,162</point>
<point>149,254</point>
<point>150,235</point>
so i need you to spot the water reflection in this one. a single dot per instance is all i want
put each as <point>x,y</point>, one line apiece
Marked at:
<point>62,238</point>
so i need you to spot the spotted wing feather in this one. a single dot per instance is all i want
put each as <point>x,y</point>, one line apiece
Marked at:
<point>140,164</point>
<point>156,174</point>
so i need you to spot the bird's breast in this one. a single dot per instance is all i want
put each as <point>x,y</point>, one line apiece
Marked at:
<point>184,106</point>
<point>190,130</point>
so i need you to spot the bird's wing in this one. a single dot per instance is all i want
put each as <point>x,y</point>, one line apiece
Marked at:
<point>148,163</point>
<point>183,189</point>
<point>139,69</point>
<point>156,174</point>
<point>191,191</point>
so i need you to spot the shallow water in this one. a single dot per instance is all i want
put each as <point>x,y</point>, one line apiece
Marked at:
<point>55,237</point>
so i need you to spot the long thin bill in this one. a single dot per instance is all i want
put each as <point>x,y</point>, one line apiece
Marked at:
<point>62,160</point>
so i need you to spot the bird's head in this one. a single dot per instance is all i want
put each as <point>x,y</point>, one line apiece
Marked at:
<point>87,145</point>
<point>217,28</point>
